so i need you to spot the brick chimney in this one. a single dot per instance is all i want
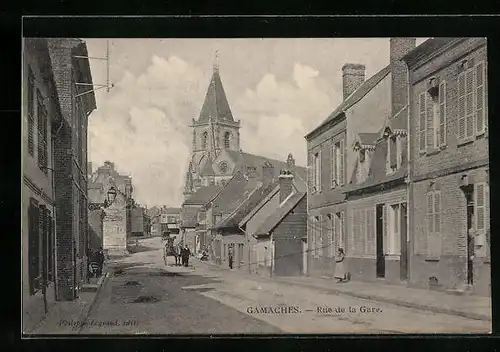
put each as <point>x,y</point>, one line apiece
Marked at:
<point>267,174</point>
<point>399,47</point>
<point>353,75</point>
<point>286,184</point>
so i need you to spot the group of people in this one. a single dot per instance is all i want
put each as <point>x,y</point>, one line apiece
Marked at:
<point>185,253</point>
<point>96,262</point>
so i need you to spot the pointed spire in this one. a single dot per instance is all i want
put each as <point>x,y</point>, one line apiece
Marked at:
<point>216,62</point>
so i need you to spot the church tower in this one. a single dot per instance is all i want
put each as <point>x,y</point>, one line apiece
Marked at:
<point>214,130</point>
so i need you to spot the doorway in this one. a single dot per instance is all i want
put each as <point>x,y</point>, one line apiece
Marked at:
<point>403,270</point>
<point>380,241</point>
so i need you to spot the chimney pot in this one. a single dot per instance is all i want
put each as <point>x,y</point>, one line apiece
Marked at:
<point>353,75</point>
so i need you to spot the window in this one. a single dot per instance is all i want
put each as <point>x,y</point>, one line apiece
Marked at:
<point>316,236</point>
<point>471,102</point>
<point>394,227</point>
<point>362,240</point>
<point>320,246</point>
<point>51,248</point>
<point>336,233</point>
<point>315,174</point>
<point>204,138</point>
<point>441,139</point>
<point>422,121</point>
<point>42,133</point>
<point>361,155</point>
<point>240,253</point>
<point>338,164</point>
<point>432,119</point>
<point>434,224</point>
<point>31,112</point>
<point>227,139</point>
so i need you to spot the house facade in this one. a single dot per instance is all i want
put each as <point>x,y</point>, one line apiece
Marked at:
<point>449,170</point>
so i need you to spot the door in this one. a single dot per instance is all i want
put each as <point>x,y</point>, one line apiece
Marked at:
<point>380,241</point>
<point>404,243</point>
<point>288,257</point>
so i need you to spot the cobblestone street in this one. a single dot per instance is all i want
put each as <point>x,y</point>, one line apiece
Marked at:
<point>143,296</point>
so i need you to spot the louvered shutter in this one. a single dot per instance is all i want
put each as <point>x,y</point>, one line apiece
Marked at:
<point>430,224</point>
<point>333,152</point>
<point>33,249</point>
<point>385,229</point>
<point>393,152</point>
<point>469,103</point>
<point>321,239</point>
<point>45,245</point>
<point>310,172</point>
<point>333,235</point>
<point>354,232</point>
<point>461,106</point>
<point>480,208</point>
<point>342,237</point>
<point>319,172</point>
<point>370,229</point>
<point>437,224</point>
<point>442,114</point>
<point>362,232</point>
<point>31,112</point>
<point>422,122</point>
<point>341,163</point>
<point>50,257</point>
<point>430,122</point>
<point>487,215</point>
<point>480,116</point>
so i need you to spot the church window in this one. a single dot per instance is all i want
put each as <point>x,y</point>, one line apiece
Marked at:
<point>204,140</point>
<point>227,137</point>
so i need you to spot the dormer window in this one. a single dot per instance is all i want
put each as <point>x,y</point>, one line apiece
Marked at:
<point>393,161</point>
<point>362,155</point>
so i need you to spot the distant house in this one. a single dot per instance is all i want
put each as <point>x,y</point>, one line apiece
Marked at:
<point>140,222</point>
<point>169,220</point>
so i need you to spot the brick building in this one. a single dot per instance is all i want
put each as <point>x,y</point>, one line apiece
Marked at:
<point>41,113</point>
<point>340,152</point>
<point>449,196</point>
<point>72,81</point>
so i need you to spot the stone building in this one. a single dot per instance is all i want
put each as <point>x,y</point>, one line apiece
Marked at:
<point>449,203</point>
<point>117,216</point>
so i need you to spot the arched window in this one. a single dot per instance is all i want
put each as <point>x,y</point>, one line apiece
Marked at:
<point>227,138</point>
<point>204,140</point>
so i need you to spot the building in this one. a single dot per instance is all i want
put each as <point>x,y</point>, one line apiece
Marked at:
<point>341,151</point>
<point>170,220</point>
<point>449,169</point>
<point>117,219</point>
<point>140,221</point>
<point>40,113</point>
<point>154,220</point>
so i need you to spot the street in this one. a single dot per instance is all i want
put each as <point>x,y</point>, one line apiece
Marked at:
<point>143,296</point>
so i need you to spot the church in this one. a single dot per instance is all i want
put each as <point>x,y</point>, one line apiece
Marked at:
<point>216,152</point>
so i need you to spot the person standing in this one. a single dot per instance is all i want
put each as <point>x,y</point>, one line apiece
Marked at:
<point>230,255</point>
<point>185,255</point>
<point>340,272</point>
<point>100,261</point>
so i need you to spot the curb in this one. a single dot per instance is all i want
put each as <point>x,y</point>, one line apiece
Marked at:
<point>86,312</point>
<point>395,302</point>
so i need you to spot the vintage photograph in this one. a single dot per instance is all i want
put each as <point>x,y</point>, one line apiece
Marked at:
<point>255,186</point>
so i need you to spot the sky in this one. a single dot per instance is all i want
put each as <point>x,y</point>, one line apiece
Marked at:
<point>280,89</point>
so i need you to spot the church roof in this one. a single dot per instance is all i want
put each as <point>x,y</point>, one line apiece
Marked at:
<point>203,195</point>
<point>215,105</point>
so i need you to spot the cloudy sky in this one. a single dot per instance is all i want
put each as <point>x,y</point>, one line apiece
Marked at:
<point>279,88</point>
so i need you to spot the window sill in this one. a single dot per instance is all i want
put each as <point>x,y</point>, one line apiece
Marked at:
<point>392,256</point>
<point>465,142</point>
<point>433,151</point>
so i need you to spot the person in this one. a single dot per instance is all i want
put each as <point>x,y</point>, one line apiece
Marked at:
<point>185,255</point>
<point>340,273</point>
<point>230,258</point>
<point>100,261</point>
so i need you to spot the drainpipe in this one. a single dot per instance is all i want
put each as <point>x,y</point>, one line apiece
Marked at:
<point>248,245</point>
<point>409,198</point>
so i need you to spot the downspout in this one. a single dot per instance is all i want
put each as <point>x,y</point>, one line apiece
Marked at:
<point>409,248</point>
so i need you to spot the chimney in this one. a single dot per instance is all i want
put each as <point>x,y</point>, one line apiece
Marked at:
<point>267,174</point>
<point>353,75</point>
<point>399,47</point>
<point>290,162</point>
<point>286,184</point>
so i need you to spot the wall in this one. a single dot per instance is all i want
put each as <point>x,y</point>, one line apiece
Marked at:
<point>96,228</point>
<point>115,224</point>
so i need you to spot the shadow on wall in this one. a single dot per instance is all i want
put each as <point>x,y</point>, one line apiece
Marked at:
<point>95,239</point>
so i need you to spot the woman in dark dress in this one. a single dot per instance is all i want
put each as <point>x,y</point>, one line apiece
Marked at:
<point>340,273</point>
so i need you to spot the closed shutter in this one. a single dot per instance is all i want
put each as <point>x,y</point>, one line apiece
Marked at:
<point>393,152</point>
<point>318,176</point>
<point>310,171</point>
<point>362,232</point>
<point>461,106</point>
<point>333,234</point>
<point>370,229</point>
<point>422,121</point>
<point>33,249</point>
<point>355,232</point>
<point>333,151</point>
<point>480,97</point>
<point>385,229</point>
<point>31,112</point>
<point>480,208</point>
<point>321,245</point>
<point>341,163</point>
<point>342,240</point>
<point>442,114</point>
<point>50,258</point>
<point>430,224</point>
<point>487,216</point>
<point>45,245</point>
<point>430,122</point>
<point>437,224</point>
<point>469,104</point>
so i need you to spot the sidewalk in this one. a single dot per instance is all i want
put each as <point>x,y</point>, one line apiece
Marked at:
<point>472,307</point>
<point>67,317</point>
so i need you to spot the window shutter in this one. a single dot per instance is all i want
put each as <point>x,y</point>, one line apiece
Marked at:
<point>461,106</point>
<point>310,172</point>
<point>430,122</point>
<point>480,207</point>
<point>442,114</point>
<point>430,223</point>
<point>437,224</point>
<point>354,232</point>
<point>50,257</point>
<point>487,216</point>
<point>469,103</point>
<point>370,229</point>
<point>333,235</point>
<point>45,245</point>
<point>362,232</point>
<point>31,112</point>
<point>319,171</point>
<point>33,254</point>
<point>342,242</point>
<point>480,118</point>
<point>422,121</point>
<point>341,163</point>
<point>385,229</point>
<point>334,164</point>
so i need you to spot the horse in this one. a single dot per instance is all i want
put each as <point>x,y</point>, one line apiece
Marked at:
<point>172,250</point>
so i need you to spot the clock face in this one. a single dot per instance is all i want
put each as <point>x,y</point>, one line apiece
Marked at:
<point>223,167</point>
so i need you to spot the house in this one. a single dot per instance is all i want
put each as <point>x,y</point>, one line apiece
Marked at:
<point>117,218</point>
<point>449,171</point>
<point>154,220</point>
<point>169,220</point>
<point>41,111</point>
<point>193,218</point>
<point>140,221</point>
<point>341,151</point>
<point>284,232</point>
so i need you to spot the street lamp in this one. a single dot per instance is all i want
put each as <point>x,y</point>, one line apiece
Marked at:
<point>110,196</point>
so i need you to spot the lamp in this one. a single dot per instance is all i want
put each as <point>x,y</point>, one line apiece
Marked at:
<point>111,195</point>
